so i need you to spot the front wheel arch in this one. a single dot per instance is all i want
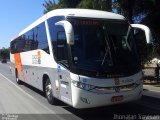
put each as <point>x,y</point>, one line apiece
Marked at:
<point>47,88</point>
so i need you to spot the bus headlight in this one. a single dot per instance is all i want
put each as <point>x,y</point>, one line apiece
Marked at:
<point>83,85</point>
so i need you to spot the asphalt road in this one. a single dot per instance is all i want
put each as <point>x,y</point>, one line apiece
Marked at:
<point>23,102</point>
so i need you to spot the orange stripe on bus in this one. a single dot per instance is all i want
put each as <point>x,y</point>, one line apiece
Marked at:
<point>39,54</point>
<point>18,62</point>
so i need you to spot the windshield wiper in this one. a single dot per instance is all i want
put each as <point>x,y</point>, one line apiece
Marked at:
<point>126,38</point>
<point>104,56</point>
<point>107,51</point>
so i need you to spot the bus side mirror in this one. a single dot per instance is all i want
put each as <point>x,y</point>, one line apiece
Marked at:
<point>145,29</point>
<point>68,30</point>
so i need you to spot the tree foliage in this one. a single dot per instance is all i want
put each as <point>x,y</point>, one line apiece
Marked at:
<point>88,4</point>
<point>125,7</point>
<point>4,53</point>
<point>96,4</point>
<point>49,5</point>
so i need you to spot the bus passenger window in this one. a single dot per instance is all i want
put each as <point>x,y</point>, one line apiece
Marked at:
<point>62,48</point>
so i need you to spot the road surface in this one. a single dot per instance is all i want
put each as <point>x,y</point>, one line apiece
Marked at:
<point>23,102</point>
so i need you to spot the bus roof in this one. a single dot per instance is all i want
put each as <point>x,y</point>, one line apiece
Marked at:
<point>84,13</point>
<point>88,13</point>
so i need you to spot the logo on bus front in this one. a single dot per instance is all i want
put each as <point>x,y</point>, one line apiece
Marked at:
<point>117,89</point>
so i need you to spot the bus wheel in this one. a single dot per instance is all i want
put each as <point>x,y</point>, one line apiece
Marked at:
<point>17,79</point>
<point>48,92</point>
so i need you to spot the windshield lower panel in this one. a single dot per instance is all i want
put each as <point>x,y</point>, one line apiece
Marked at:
<point>103,48</point>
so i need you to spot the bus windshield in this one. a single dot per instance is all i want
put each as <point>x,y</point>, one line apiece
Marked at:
<point>104,46</point>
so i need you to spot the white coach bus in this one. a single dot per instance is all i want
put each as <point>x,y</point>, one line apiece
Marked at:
<point>85,58</point>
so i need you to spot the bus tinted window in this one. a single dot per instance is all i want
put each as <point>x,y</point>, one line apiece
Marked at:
<point>35,38</point>
<point>40,37</point>
<point>62,48</point>
<point>53,28</point>
<point>29,38</point>
<point>18,45</point>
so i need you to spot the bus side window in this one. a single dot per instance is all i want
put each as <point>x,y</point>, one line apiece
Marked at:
<point>62,48</point>
<point>41,37</point>
<point>53,29</point>
<point>13,47</point>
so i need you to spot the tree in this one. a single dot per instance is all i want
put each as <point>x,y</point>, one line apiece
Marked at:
<point>152,20</point>
<point>49,5</point>
<point>4,53</point>
<point>69,3</point>
<point>128,8</point>
<point>88,4</point>
<point>105,5</point>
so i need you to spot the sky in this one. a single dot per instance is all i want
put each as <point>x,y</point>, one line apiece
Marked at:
<point>15,15</point>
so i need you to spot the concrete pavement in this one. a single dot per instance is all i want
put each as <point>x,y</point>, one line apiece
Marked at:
<point>151,91</point>
<point>14,100</point>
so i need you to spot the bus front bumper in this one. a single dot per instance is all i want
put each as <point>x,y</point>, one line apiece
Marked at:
<point>86,99</point>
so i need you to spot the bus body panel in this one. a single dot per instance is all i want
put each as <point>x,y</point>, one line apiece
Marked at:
<point>64,85</point>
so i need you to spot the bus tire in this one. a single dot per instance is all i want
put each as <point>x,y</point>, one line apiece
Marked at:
<point>48,92</point>
<point>17,79</point>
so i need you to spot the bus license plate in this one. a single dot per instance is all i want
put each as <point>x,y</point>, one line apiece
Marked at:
<point>116,98</point>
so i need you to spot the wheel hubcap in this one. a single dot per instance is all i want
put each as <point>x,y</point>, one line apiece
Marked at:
<point>48,90</point>
<point>17,79</point>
